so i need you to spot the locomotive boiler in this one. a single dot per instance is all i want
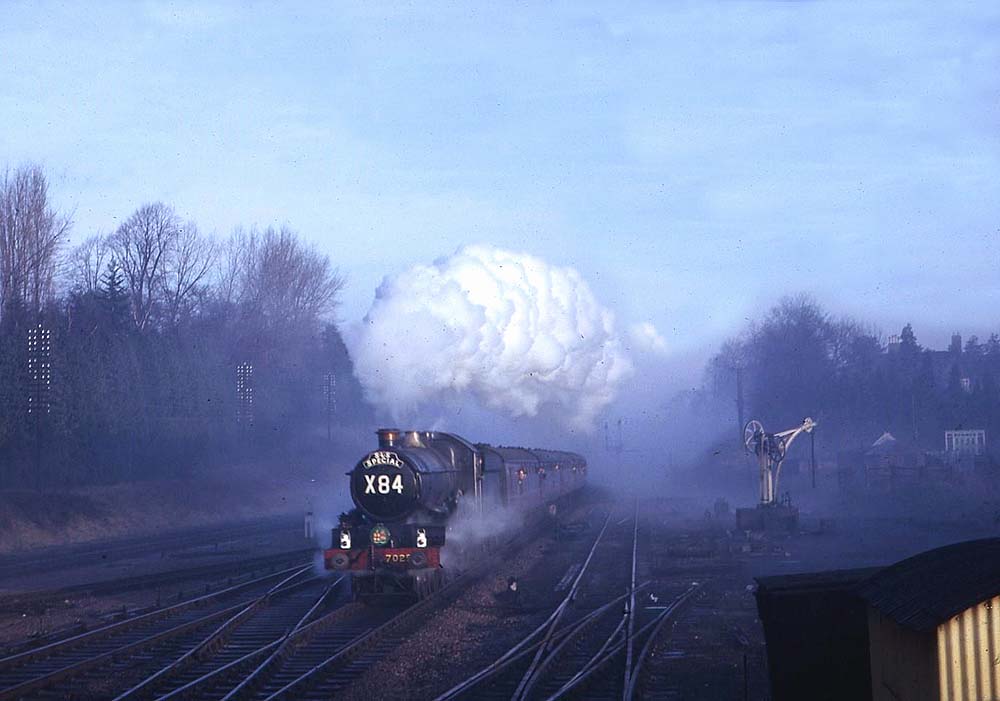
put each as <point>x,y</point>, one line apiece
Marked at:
<point>406,491</point>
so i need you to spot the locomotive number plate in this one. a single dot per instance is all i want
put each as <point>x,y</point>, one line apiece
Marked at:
<point>396,557</point>
<point>383,484</point>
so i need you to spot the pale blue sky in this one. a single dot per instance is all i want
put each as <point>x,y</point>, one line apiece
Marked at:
<point>693,161</point>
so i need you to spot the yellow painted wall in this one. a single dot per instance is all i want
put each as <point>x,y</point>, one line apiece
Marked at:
<point>904,662</point>
<point>968,656</point>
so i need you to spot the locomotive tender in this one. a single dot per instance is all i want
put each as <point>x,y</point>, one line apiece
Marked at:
<point>406,491</point>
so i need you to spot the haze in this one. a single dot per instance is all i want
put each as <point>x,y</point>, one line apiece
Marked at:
<point>693,162</point>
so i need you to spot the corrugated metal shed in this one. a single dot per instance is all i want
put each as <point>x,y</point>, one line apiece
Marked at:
<point>928,589</point>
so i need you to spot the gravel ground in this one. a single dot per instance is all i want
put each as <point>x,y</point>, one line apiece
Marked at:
<point>24,620</point>
<point>85,611</point>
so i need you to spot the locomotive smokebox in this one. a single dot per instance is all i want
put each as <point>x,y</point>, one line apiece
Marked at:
<point>385,486</point>
<point>387,437</point>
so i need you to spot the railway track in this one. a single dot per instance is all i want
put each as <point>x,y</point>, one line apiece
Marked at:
<point>218,667</point>
<point>315,673</point>
<point>286,635</point>
<point>595,641</point>
<point>172,586</point>
<point>59,558</point>
<point>291,638</point>
<point>154,580</point>
<point>324,657</point>
<point>63,669</point>
<point>257,663</point>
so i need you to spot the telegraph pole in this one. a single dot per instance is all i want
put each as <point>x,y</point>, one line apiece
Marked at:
<point>739,400</point>
<point>614,443</point>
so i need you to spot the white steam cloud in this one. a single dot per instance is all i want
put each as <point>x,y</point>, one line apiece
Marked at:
<point>645,337</point>
<point>505,328</point>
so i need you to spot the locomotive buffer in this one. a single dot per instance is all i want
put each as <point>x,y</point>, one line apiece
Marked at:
<point>770,450</point>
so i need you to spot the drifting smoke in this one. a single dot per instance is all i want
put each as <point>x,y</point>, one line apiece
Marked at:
<point>508,329</point>
<point>645,337</point>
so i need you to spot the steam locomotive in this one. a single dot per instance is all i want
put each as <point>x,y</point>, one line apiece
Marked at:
<point>406,492</point>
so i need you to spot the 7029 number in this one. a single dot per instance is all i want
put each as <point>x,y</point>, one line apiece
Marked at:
<point>396,557</point>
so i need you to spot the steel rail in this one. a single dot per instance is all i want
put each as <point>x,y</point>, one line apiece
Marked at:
<point>586,673</point>
<point>630,612</point>
<point>44,680</point>
<point>48,649</point>
<point>20,600</point>
<point>216,636</point>
<point>648,647</point>
<point>47,679</point>
<point>300,636</point>
<point>355,646</point>
<point>520,652</point>
<point>553,655</point>
<point>515,653</point>
<point>245,686</point>
<point>526,683</point>
<point>295,688</point>
<point>192,686</point>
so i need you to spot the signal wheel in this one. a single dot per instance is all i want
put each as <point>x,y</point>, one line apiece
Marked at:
<point>753,433</point>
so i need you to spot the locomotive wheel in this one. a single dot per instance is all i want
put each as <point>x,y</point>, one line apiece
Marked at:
<point>427,582</point>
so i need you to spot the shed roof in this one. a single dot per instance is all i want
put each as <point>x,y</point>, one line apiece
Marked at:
<point>926,590</point>
<point>826,581</point>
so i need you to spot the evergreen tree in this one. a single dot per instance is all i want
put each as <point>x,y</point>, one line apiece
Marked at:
<point>112,294</point>
<point>993,346</point>
<point>908,345</point>
<point>973,348</point>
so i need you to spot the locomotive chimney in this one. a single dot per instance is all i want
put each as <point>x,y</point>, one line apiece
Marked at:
<point>387,437</point>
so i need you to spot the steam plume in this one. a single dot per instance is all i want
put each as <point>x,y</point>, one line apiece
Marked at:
<point>505,328</point>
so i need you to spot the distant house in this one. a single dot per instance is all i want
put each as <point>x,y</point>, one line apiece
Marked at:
<point>889,464</point>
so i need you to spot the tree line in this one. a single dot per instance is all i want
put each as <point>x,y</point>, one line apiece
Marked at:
<point>119,356</point>
<point>799,360</point>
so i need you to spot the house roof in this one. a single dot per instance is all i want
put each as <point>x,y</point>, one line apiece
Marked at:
<point>926,590</point>
<point>886,443</point>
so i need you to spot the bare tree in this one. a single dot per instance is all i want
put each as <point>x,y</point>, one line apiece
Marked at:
<point>229,272</point>
<point>142,246</point>
<point>188,264</point>
<point>276,278</point>
<point>87,263</point>
<point>31,233</point>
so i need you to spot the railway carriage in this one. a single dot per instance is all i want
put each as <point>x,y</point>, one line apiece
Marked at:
<point>406,491</point>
